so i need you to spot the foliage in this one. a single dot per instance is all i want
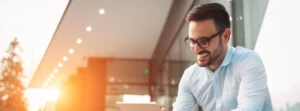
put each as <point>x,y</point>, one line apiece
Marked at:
<point>11,87</point>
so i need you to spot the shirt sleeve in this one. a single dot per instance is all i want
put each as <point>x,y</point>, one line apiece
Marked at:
<point>253,87</point>
<point>185,100</point>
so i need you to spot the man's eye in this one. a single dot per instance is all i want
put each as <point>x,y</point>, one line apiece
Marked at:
<point>202,41</point>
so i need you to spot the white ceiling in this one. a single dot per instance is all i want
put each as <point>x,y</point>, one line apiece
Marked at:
<point>128,29</point>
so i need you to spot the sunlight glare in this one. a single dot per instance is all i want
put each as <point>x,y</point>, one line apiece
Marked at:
<point>38,97</point>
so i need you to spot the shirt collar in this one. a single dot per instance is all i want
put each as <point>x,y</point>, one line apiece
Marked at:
<point>228,56</point>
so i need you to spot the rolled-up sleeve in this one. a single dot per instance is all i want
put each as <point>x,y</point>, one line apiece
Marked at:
<point>253,87</point>
<point>185,100</point>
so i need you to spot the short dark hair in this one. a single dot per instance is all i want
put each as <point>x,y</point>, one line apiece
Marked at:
<point>214,11</point>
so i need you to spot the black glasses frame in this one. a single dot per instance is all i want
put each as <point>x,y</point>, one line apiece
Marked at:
<point>187,40</point>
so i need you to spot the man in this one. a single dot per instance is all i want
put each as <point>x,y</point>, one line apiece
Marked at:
<point>224,78</point>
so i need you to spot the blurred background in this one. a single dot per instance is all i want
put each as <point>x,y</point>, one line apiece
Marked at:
<point>86,55</point>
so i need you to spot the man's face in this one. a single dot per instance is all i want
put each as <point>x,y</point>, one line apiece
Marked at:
<point>203,29</point>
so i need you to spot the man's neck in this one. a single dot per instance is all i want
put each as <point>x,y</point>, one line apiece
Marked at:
<point>213,67</point>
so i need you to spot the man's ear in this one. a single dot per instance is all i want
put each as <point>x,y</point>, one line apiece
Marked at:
<point>227,34</point>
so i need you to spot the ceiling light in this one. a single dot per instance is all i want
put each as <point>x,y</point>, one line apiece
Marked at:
<point>101,11</point>
<point>51,75</point>
<point>79,41</point>
<point>44,85</point>
<point>230,18</point>
<point>65,58</point>
<point>55,70</point>
<point>71,51</point>
<point>89,28</point>
<point>48,79</point>
<point>60,65</point>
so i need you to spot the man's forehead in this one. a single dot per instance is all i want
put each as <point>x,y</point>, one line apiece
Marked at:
<point>202,25</point>
<point>198,29</point>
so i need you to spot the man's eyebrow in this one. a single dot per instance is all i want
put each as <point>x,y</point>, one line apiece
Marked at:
<point>201,37</point>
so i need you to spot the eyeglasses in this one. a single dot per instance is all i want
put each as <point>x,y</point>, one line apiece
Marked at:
<point>202,42</point>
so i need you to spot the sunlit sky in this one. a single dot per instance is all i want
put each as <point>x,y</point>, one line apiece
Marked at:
<point>33,22</point>
<point>278,45</point>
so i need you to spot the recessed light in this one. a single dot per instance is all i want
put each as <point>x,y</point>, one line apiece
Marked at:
<point>60,65</point>
<point>79,41</point>
<point>71,51</point>
<point>101,11</point>
<point>51,75</point>
<point>55,70</point>
<point>48,79</point>
<point>45,85</point>
<point>65,58</point>
<point>88,28</point>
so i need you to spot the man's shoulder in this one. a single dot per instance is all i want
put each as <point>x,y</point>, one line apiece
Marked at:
<point>244,57</point>
<point>242,51</point>
<point>241,54</point>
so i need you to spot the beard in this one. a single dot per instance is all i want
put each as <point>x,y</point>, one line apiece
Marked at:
<point>206,58</point>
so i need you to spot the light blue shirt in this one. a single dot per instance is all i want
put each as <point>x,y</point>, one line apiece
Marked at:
<point>239,84</point>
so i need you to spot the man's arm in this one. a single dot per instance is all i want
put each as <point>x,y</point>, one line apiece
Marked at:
<point>253,87</point>
<point>185,100</point>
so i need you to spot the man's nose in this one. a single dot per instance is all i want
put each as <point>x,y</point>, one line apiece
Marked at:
<point>196,48</point>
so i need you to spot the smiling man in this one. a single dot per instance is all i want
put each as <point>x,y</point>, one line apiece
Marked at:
<point>224,78</point>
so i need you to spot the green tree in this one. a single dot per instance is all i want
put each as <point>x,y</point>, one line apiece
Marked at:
<point>11,87</point>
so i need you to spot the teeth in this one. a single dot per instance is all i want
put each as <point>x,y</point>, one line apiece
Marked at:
<point>203,54</point>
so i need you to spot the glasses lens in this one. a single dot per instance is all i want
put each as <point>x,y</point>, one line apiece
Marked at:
<point>188,42</point>
<point>203,42</point>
